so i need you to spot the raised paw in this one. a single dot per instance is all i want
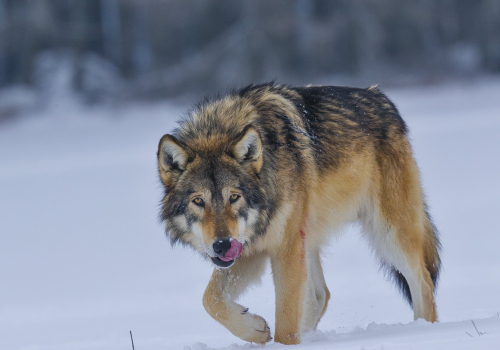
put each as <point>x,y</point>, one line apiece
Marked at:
<point>251,328</point>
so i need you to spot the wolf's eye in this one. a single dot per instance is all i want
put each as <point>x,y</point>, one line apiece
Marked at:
<point>233,198</point>
<point>199,202</point>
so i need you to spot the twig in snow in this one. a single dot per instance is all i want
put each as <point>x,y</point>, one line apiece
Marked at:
<point>469,334</point>
<point>132,339</point>
<point>478,333</point>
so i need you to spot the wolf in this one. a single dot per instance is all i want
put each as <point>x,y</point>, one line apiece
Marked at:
<point>269,172</point>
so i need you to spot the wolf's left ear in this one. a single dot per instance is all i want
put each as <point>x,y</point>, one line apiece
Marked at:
<point>173,155</point>
<point>249,148</point>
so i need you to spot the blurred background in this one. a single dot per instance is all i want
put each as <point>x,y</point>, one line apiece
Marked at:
<point>87,89</point>
<point>111,50</point>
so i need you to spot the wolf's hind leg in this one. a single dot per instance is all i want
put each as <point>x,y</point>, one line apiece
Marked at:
<point>224,288</point>
<point>407,267</point>
<point>400,231</point>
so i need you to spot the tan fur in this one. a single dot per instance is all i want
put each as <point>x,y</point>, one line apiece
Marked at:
<point>361,170</point>
<point>224,287</point>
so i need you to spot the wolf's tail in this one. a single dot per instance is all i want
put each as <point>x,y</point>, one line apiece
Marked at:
<point>432,247</point>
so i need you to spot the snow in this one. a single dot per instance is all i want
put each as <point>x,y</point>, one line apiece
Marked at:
<point>83,259</point>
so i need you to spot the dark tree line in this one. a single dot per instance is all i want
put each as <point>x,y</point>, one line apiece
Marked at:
<point>168,47</point>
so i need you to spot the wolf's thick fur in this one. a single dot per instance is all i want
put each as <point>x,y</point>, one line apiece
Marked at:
<point>279,169</point>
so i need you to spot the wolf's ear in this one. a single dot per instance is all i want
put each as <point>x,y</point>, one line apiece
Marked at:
<point>249,148</point>
<point>173,154</point>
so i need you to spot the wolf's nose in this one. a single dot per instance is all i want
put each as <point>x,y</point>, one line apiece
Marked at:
<point>221,246</point>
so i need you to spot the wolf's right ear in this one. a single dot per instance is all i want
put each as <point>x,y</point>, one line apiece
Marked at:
<point>173,154</point>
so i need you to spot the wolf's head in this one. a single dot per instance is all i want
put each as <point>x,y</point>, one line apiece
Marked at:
<point>213,198</point>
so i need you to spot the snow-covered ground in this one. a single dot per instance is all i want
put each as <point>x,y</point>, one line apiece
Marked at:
<point>83,259</point>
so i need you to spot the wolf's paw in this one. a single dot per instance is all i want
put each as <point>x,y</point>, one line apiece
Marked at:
<point>254,329</point>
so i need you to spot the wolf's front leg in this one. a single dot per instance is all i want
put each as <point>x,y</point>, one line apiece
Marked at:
<point>224,287</point>
<point>290,277</point>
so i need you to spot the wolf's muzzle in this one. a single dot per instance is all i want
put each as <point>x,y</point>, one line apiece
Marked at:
<point>227,250</point>
<point>221,247</point>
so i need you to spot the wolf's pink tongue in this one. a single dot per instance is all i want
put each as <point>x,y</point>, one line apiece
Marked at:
<point>233,252</point>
